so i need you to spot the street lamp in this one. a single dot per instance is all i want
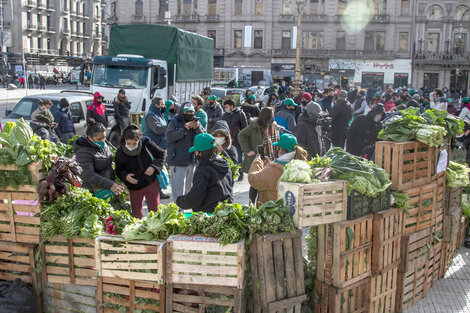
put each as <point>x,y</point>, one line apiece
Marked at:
<point>420,41</point>
<point>298,48</point>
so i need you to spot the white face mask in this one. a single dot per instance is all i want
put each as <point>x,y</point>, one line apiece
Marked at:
<point>377,118</point>
<point>219,140</point>
<point>131,148</point>
<point>228,111</point>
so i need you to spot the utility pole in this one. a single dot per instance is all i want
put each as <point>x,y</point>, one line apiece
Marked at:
<point>298,48</point>
<point>458,53</point>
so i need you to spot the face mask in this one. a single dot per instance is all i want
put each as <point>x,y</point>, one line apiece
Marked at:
<point>219,140</point>
<point>99,101</point>
<point>131,148</point>
<point>228,110</point>
<point>100,144</point>
<point>188,117</point>
<point>304,103</point>
<point>377,118</point>
<point>211,104</point>
<point>63,109</point>
<point>172,110</point>
<point>162,109</point>
<point>425,103</point>
<point>314,99</point>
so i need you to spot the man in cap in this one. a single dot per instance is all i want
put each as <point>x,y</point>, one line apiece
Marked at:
<point>122,107</point>
<point>214,112</point>
<point>285,117</point>
<point>341,115</point>
<point>198,102</point>
<point>180,134</point>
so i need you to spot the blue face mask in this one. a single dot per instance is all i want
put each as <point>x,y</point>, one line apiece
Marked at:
<point>100,144</point>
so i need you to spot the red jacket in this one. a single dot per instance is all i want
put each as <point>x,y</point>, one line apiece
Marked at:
<point>389,105</point>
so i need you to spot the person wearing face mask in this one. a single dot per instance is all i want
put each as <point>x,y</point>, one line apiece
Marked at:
<point>43,126</point>
<point>360,104</point>
<point>327,102</point>
<point>250,107</point>
<point>95,158</point>
<point>97,110</point>
<point>43,106</point>
<point>198,102</point>
<point>155,124</point>
<point>236,120</point>
<point>308,131</point>
<point>285,117</point>
<point>122,107</point>
<point>138,162</point>
<point>283,88</point>
<point>305,99</point>
<point>214,112</point>
<point>341,115</point>
<point>221,133</point>
<point>172,108</point>
<point>65,129</point>
<point>364,130</point>
<point>180,134</point>
<point>213,179</point>
<point>438,101</point>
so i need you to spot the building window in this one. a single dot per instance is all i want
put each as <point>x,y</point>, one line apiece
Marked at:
<point>65,5</point>
<point>97,9</point>
<point>434,13</point>
<point>340,40</point>
<point>374,41</point>
<point>139,7</point>
<point>39,44</point>
<point>212,7</point>
<point>433,42</point>
<point>316,7</point>
<point>78,47</point>
<point>189,7</point>
<point>405,7</point>
<point>285,44</point>
<point>237,41</point>
<point>258,43</point>
<point>286,6</point>
<point>460,41</point>
<point>77,7</point>
<point>342,4</point>
<point>259,7</point>
<point>403,42</point>
<point>312,40</point>
<point>378,7</point>
<point>38,19</point>
<point>113,9</point>
<point>84,8</point>
<point>78,27</point>
<point>212,34</point>
<point>238,7</point>
<point>462,13</point>
<point>163,7</point>
<point>66,24</point>
<point>48,21</point>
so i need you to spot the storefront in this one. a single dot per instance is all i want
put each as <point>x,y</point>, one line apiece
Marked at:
<point>282,71</point>
<point>376,73</point>
<point>342,72</point>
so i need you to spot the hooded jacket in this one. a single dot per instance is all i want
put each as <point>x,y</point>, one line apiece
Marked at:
<point>308,134</point>
<point>341,115</point>
<point>121,109</point>
<point>251,110</point>
<point>97,111</point>
<point>236,121</point>
<point>64,122</point>
<point>363,131</point>
<point>213,114</point>
<point>250,138</point>
<point>285,118</point>
<point>96,164</point>
<point>44,131</point>
<point>212,183</point>
<point>222,127</point>
<point>137,165</point>
<point>155,126</point>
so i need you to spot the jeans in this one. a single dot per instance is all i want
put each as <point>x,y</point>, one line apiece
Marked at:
<point>66,137</point>
<point>239,154</point>
<point>152,197</point>
<point>253,194</point>
<point>181,180</point>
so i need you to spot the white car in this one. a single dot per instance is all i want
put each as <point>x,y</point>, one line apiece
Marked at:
<point>262,95</point>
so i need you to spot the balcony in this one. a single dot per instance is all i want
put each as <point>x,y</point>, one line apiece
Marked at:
<point>138,18</point>
<point>187,18</point>
<point>441,58</point>
<point>30,3</point>
<point>30,26</point>
<point>66,30</point>
<point>113,19</point>
<point>211,18</point>
<point>287,18</point>
<point>50,29</point>
<point>287,53</point>
<point>314,18</point>
<point>335,54</point>
<point>96,34</point>
<point>50,7</point>
<point>41,27</point>
<point>380,18</point>
<point>86,35</point>
<point>41,5</point>
<point>104,38</point>
<point>219,51</point>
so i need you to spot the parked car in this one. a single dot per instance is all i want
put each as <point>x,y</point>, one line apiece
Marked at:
<point>265,89</point>
<point>223,93</point>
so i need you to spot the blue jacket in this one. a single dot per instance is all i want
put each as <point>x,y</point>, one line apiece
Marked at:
<point>179,140</point>
<point>64,122</point>
<point>155,126</point>
<point>286,119</point>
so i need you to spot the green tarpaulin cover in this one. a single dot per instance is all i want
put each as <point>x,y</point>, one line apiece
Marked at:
<point>192,53</point>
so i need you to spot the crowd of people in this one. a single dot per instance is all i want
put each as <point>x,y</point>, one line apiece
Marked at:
<point>199,139</point>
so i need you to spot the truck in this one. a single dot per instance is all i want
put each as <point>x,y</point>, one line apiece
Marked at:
<point>150,61</point>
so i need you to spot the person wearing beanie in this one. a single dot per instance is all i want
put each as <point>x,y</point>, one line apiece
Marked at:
<point>214,112</point>
<point>264,174</point>
<point>308,132</point>
<point>172,108</point>
<point>42,125</point>
<point>122,106</point>
<point>285,117</point>
<point>198,102</point>
<point>465,111</point>
<point>341,115</point>
<point>305,99</point>
<point>213,179</point>
<point>65,129</point>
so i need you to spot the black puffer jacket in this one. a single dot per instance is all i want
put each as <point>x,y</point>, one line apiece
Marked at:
<point>96,164</point>
<point>236,121</point>
<point>137,165</point>
<point>212,183</point>
<point>44,131</point>
<point>307,134</point>
<point>231,151</point>
<point>251,110</point>
<point>363,131</point>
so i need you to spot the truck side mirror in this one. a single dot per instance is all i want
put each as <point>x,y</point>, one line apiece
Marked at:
<point>7,112</point>
<point>162,79</point>
<point>76,119</point>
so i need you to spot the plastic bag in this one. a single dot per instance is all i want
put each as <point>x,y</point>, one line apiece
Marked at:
<point>17,297</point>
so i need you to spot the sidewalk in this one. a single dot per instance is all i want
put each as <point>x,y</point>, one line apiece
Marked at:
<point>11,95</point>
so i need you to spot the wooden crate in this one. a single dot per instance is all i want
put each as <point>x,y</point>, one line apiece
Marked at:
<point>344,252</point>
<point>182,298</point>
<point>448,249</point>
<point>411,286</point>
<point>386,239</point>
<point>433,272</point>
<point>360,205</point>
<point>278,270</point>
<point>202,260</point>
<point>410,164</point>
<point>415,249</point>
<point>36,169</point>
<point>61,298</point>
<point>441,190</point>
<point>462,234</point>
<point>135,260</point>
<point>383,291</point>
<point>352,299</point>
<point>451,226</point>
<point>69,261</point>
<point>114,293</point>
<point>136,118</point>
<point>438,225</point>
<point>453,200</point>
<point>315,204</point>
<point>421,213</point>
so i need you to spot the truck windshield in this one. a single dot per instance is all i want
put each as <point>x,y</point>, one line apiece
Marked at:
<point>118,76</point>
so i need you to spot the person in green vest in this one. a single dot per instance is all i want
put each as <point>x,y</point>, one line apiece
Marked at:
<point>197,101</point>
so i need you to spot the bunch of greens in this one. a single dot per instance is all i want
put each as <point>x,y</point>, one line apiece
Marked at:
<point>319,162</point>
<point>235,168</point>
<point>457,175</point>
<point>453,125</point>
<point>157,225</point>
<point>117,220</point>
<point>66,150</point>
<point>297,171</point>
<point>15,179</point>
<point>118,202</point>
<point>362,176</point>
<point>402,201</point>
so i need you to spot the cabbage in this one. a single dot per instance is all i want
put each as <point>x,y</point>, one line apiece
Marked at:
<point>297,171</point>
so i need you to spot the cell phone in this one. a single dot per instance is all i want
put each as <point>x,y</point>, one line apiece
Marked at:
<point>195,118</point>
<point>261,151</point>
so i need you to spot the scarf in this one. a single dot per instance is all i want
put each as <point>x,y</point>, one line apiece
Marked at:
<point>132,153</point>
<point>285,158</point>
<point>269,137</point>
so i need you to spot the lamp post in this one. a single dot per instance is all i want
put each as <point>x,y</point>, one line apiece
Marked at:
<point>420,41</point>
<point>458,52</point>
<point>298,48</point>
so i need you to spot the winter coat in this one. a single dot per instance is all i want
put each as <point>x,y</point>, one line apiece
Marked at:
<point>64,122</point>
<point>308,134</point>
<point>250,138</point>
<point>212,183</point>
<point>439,104</point>
<point>96,164</point>
<point>359,106</point>
<point>326,104</point>
<point>250,110</point>
<point>389,105</point>
<point>222,127</point>
<point>137,165</point>
<point>202,118</point>
<point>155,126</point>
<point>465,113</point>
<point>341,115</point>
<point>47,111</point>
<point>363,132</point>
<point>179,140</point>
<point>44,131</point>
<point>213,114</point>
<point>121,109</point>
<point>285,118</point>
<point>169,115</point>
<point>236,121</point>
<point>97,111</point>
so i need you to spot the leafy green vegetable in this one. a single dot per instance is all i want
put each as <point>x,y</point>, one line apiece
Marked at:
<point>235,168</point>
<point>297,171</point>
<point>402,201</point>
<point>457,175</point>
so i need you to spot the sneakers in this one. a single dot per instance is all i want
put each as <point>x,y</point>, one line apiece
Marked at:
<point>164,195</point>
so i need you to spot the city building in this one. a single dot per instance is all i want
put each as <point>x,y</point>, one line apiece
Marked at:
<point>53,31</point>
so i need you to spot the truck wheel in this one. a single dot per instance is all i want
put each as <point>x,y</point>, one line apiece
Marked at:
<point>114,138</point>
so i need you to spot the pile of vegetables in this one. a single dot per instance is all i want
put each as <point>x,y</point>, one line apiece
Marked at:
<point>401,200</point>
<point>432,127</point>
<point>457,175</point>
<point>362,176</point>
<point>314,171</point>
<point>15,179</point>
<point>235,168</point>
